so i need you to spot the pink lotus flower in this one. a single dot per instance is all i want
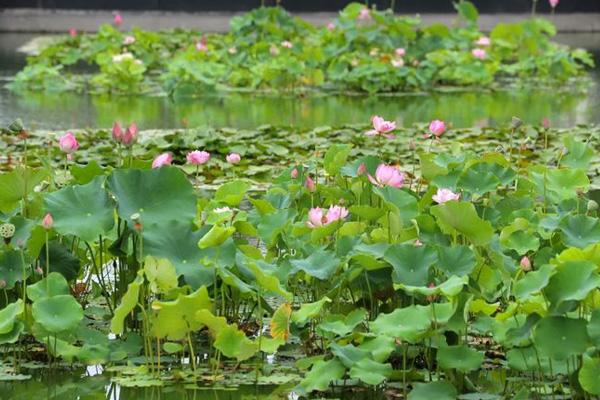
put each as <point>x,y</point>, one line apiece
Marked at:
<point>400,51</point>
<point>118,19</point>
<point>287,44</point>
<point>553,3</point>
<point>68,143</point>
<point>525,264</point>
<point>310,184</point>
<point>387,175</point>
<point>202,45</point>
<point>197,157</point>
<point>117,131</point>
<point>444,195</point>
<point>331,26</point>
<point>362,168</point>
<point>162,160</point>
<point>130,134</point>
<point>336,213</point>
<point>479,54</point>
<point>483,41</point>
<point>129,40</point>
<point>397,63</point>
<point>233,158</point>
<point>48,221</point>
<point>316,218</point>
<point>294,173</point>
<point>364,14</point>
<point>436,128</point>
<point>381,127</point>
<point>73,32</point>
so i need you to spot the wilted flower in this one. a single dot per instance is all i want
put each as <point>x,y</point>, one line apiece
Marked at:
<point>48,221</point>
<point>7,230</point>
<point>478,53</point>
<point>525,264</point>
<point>233,158</point>
<point>444,195</point>
<point>68,143</point>
<point>381,127</point>
<point>400,51</point>
<point>162,159</point>
<point>387,175</point>
<point>197,157</point>
<point>592,205</point>
<point>436,128</point>
<point>129,40</point>
<point>118,19</point>
<point>483,41</point>
<point>287,44</point>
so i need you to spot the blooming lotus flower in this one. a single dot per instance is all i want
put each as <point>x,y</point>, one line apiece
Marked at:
<point>525,264</point>
<point>294,173</point>
<point>483,41</point>
<point>331,26</point>
<point>287,44</point>
<point>444,195</point>
<point>117,131</point>
<point>397,63</point>
<point>48,221</point>
<point>197,157</point>
<point>233,158</point>
<point>68,143</point>
<point>73,32</point>
<point>129,40</point>
<point>316,218</point>
<point>400,51</point>
<point>479,53</point>
<point>336,213</point>
<point>553,3</point>
<point>118,19</point>
<point>364,14</point>
<point>310,184</point>
<point>270,358</point>
<point>387,175</point>
<point>381,127</point>
<point>129,135</point>
<point>162,160</point>
<point>436,128</point>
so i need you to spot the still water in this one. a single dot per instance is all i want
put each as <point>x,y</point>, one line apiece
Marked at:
<point>464,109</point>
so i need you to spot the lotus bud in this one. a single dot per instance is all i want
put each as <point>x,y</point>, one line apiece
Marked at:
<point>294,173</point>
<point>137,223</point>
<point>525,264</point>
<point>515,122</point>
<point>310,184</point>
<point>39,271</point>
<point>362,168</point>
<point>48,221</point>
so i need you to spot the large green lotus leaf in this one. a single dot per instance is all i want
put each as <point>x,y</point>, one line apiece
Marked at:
<point>461,217</point>
<point>23,231</point>
<point>561,337</point>
<point>128,302</point>
<point>370,371</point>
<point>159,196</point>
<point>336,157</point>
<point>8,316</point>
<point>520,237</point>
<point>407,323</point>
<point>57,313</point>
<point>527,359</point>
<point>380,347</point>
<point>12,268</point>
<point>17,183</point>
<point>560,184</point>
<point>456,260</point>
<point>87,173</point>
<point>573,280</point>
<point>12,336</point>
<point>232,193</point>
<point>176,318</point>
<point>178,243</point>
<point>478,182</point>
<point>366,212</point>
<point>268,282</point>
<point>322,374</point>
<point>213,323</point>
<point>348,354</point>
<point>410,263</point>
<point>81,210</point>
<point>594,327</point>
<point>160,274</point>
<point>579,154</point>
<point>399,201</point>
<point>449,288</point>
<point>533,282</point>
<point>439,390</point>
<point>233,343</point>
<point>341,325</point>
<point>580,230</point>
<point>53,285</point>
<point>321,264</point>
<point>460,357</point>
<point>308,311</point>
<point>216,236</point>
<point>270,226</point>
<point>61,260</point>
<point>589,374</point>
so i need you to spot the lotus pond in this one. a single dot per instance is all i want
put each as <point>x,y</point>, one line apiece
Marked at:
<point>340,256</point>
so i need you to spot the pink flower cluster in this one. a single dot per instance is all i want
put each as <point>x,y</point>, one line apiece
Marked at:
<point>317,216</point>
<point>125,137</point>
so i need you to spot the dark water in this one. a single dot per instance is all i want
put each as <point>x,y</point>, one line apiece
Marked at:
<point>464,109</point>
